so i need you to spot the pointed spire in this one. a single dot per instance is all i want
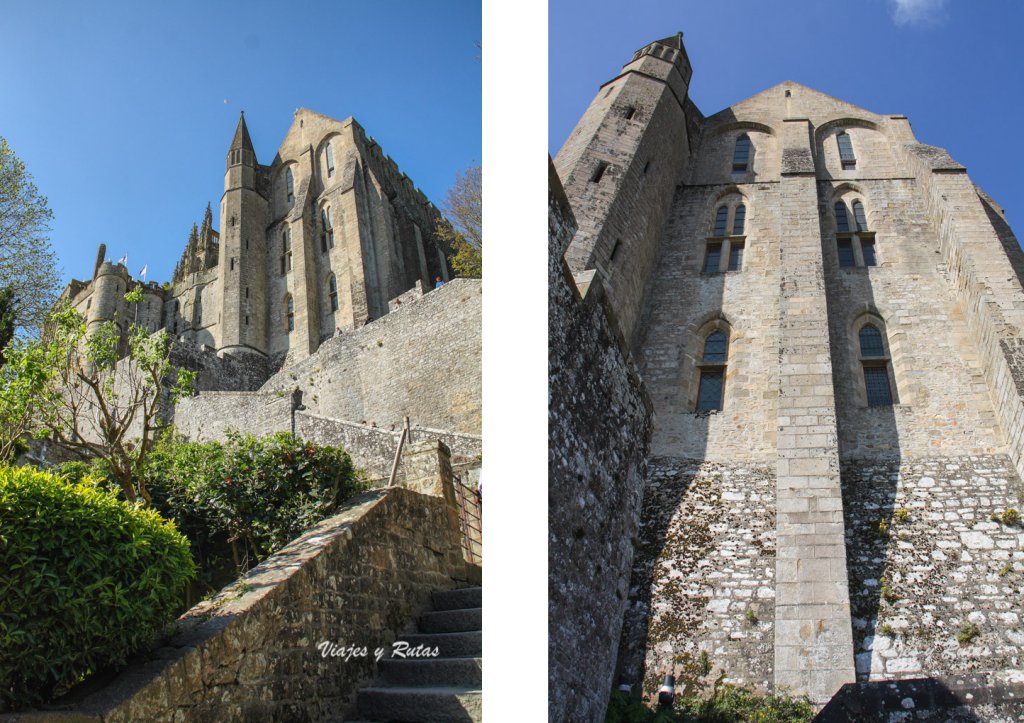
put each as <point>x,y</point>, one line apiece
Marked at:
<point>193,236</point>
<point>204,232</point>
<point>241,139</point>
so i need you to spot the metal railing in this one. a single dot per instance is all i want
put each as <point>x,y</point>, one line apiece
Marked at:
<point>470,520</point>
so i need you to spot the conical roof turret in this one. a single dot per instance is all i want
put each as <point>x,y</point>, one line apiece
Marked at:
<point>242,140</point>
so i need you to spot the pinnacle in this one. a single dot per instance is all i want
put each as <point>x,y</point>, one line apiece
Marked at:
<point>241,139</point>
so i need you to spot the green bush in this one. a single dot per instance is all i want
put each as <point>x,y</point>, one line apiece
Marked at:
<point>728,704</point>
<point>85,581</point>
<point>240,501</point>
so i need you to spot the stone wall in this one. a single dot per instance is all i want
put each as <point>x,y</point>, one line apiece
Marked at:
<point>702,593</point>
<point>358,578</point>
<point>422,361</point>
<point>927,562</point>
<point>598,426</point>
<point>210,415</point>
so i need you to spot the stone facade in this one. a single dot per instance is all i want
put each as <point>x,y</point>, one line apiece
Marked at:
<point>312,245</point>
<point>858,301</point>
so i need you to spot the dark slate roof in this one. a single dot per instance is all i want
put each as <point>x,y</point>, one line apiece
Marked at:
<point>241,139</point>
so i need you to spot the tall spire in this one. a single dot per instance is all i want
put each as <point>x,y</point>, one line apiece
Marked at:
<point>204,232</point>
<point>241,139</point>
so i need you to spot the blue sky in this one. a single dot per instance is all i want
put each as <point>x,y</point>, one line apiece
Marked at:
<point>123,111</point>
<point>953,68</point>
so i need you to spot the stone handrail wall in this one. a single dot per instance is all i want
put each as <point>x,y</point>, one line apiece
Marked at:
<point>250,653</point>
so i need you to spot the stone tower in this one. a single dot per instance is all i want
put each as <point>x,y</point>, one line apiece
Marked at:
<point>620,166</point>
<point>243,259</point>
<point>827,329</point>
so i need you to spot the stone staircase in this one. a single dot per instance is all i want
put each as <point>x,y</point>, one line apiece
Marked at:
<point>445,688</point>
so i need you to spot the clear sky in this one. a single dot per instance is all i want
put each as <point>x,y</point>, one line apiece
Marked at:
<point>953,68</point>
<point>123,110</point>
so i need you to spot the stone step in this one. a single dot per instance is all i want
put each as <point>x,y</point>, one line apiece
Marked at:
<point>423,705</point>
<point>459,599</point>
<point>451,621</point>
<point>466,672</point>
<point>449,645</point>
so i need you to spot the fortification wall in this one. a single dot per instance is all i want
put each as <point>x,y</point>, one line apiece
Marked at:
<point>598,426</point>
<point>422,361</point>
<point>702,591</point>
<point>251,653</point>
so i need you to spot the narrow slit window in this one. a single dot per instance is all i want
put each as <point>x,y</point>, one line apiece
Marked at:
<point>289,307</point>
<point>842,220</point>
<point>630,112</point>
<point>738,220</point>
<point>846,156</point>
<point>846,257</point>
<point>720,220</point>
<point>858,216</point>
<point>599,172</point>
<point>741,155</point>
<point>327,230</point>
<point>615,250</point>
<point>736,257</point>
<point>712,258</point>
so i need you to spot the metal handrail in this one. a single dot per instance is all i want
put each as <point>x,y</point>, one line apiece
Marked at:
<point>398,452</point>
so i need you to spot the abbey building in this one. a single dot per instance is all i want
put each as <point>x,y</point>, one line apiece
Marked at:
<point>317,242</point>
<point>803,326</point>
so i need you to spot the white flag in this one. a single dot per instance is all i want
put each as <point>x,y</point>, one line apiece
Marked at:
<point>142,273</point>
<point>123,260</point>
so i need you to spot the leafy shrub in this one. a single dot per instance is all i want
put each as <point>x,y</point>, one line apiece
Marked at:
<point>728,704</point>
<point>240,501</point>
<point>87,580</point>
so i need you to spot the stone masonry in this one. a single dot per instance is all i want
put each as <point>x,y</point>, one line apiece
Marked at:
<point>825,306</point>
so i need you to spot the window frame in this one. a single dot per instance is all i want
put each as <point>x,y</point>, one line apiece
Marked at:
<point>707,369</point>
<point>857,235</point>
<point>870,365</point>
<point>724,220</point>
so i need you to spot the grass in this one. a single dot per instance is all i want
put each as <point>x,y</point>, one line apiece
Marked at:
<point>968,632</point>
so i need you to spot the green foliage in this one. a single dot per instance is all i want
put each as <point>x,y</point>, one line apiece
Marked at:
<point>728,704</point>
<point>901,515</point>
<point>1011,517</point>
<point>968,632</point>
<point>751,616</point>
<point>241,501</point>
<point>24,379</point>
<point>467,261</point>
<point>888,594</point>
<point>883,529</point>
<point>7,320</point>
<point>87,581</point>
<point>886,629</point>
<point>462,230</point>
<point>28,266</point>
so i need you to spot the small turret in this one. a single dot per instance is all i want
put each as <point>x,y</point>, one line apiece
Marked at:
<point>241,151</point>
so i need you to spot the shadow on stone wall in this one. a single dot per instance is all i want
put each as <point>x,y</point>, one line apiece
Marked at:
<point>917,699</point>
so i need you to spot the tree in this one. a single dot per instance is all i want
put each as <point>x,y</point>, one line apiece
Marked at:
<point>462,229</point>
<point>28,266</point>
<point>23,384</point>
<point>102,402</point>
<point>7,321</point>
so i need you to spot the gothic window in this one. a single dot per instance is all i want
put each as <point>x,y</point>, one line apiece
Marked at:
<point>289,310</point>
<point>846,157</point>
<point>741,155</point>
<point>739,217</point>
<point>874,360</point>
<point>286,252</point>
<point>332,290</point>
<point>712,372</point>
<point>721,217</point>
<point>855,246</point>
<point>289,183</point>
<point>330,160</point>
<point>724,250</point>
<point>326,230</point>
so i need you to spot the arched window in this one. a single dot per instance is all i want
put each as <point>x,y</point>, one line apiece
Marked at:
<point>741,156</point>
<point>720,220</point>
<point>712,372</point>
<point>856,248</point>
<point>738,219</point>
<point>289,311</point>
<point>332,291</point>
<point>846,157</point>
<point>289,185</point>
<point>286,251</point>
<point>875,363</point>
<point>330,160</point>
<point>842,220</point>
<point>326,230</point>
